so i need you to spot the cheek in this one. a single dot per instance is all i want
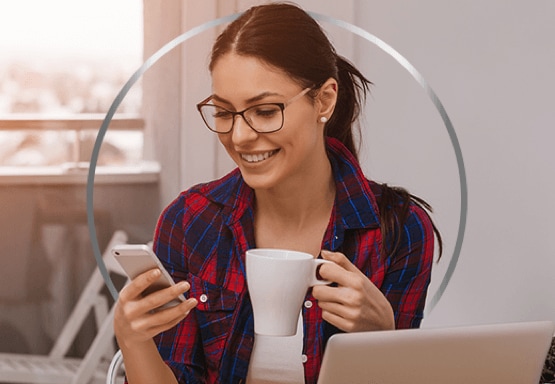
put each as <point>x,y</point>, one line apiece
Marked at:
<point>305,122</point>
<point>307,131</point>
<point>225,140</point>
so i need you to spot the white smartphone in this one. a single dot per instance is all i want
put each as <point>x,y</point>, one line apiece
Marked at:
<point>136,259</point>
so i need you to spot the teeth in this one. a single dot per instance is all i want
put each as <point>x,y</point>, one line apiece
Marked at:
<point>257,157</point>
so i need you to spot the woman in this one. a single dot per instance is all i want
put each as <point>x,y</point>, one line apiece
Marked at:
<point>283,104</point>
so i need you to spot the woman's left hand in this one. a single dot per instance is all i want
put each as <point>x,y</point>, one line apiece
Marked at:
<point>355,304</point>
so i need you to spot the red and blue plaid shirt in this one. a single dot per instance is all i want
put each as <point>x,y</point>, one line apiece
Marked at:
<point>202,237</point>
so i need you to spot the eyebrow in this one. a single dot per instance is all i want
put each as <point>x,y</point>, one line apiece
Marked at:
<point>254,99</point>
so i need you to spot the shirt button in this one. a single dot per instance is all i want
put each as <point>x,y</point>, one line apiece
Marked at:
<point>304,358</point>
<point>203,298</point>
<point>308,304</point>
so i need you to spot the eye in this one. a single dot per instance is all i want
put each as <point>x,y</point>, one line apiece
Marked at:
<point>266,111</point>
<point>220,113</point>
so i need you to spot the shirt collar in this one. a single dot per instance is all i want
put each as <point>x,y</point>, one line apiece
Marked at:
<point>355,204</point>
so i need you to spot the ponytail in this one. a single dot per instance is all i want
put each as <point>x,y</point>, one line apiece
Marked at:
<point>394,206</point>
<point>353,87</point>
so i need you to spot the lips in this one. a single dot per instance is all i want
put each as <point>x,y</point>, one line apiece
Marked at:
<point>257,157</point>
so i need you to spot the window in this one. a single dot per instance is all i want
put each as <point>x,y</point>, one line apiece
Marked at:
<point>62,64</point>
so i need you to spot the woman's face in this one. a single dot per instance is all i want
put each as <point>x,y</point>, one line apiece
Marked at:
<point>285,158</point>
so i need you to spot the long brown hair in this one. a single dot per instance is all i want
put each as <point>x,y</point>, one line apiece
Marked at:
<point>286,37</point>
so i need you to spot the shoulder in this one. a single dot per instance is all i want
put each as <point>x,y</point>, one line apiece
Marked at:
<point>218,192</point>
<point>404,217</point>
<point>418,223</point>
<point>400,201</point>
<point>197,211</point>
<point>416,238</point>
<point>205,198</point>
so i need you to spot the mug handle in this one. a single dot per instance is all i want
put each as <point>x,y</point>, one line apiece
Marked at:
<point>315,280</point>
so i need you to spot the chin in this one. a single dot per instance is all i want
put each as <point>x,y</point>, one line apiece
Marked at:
<point>259,182</point>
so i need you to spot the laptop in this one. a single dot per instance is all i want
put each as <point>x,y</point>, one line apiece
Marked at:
<point>511,353</point>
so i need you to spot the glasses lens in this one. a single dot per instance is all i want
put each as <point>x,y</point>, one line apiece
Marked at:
<point>217,118</point>
<point>265,117</point>
<point>262,117</point>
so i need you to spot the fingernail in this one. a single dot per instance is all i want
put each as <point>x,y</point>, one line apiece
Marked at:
<point>156,272</point>
<point>183,285</point>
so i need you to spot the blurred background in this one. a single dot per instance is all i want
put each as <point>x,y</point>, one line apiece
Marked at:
<point>63,62</point>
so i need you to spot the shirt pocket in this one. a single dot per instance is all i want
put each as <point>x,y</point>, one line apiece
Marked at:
<point>214,314</point>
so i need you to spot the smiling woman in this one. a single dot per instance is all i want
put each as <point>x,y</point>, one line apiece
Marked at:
<point>284,105</point>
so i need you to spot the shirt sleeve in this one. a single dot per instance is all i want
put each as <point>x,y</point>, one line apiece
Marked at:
<point>180,346</point>
<point>409,272</point>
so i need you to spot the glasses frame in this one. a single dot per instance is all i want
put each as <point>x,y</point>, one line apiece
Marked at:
<point>281,106</point>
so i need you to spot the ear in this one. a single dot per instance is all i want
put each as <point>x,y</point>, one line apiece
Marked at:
<point>327,97</point>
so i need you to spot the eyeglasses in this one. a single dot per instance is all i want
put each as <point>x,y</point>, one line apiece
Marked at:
<point>262,118</point>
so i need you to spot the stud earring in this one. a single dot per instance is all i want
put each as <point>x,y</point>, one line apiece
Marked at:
<point>323,119</point>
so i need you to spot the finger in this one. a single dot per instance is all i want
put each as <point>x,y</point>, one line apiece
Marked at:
<point>154,322</point>
<point>171,315</point>
<point>338,321</point>
<point>337,274</point>
<point>163,296</point>
<point>342,295</point>
<point>135,288</point>
<point>336,308</point>
<point>339,259</point>
<point>326,293</point>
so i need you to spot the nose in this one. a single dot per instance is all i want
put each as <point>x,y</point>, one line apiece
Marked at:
<point>242,132</point>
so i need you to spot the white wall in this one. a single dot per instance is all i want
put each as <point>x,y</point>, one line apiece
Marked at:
<point>491,64</point>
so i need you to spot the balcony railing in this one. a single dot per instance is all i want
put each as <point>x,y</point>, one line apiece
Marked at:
<point>71,123</point>
<point>82,130</point>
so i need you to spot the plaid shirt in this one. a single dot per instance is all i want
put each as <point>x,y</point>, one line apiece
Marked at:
<point>202,237</point>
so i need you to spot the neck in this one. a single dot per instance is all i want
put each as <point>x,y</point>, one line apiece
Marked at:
<point>299,202</point>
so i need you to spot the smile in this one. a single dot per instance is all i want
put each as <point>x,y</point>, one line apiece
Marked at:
<point>257,157</point>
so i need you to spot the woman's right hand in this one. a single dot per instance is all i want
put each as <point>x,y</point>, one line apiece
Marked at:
<point>136,319</point>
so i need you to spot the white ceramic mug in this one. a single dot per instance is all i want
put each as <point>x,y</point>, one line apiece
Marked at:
<point>278,280</point>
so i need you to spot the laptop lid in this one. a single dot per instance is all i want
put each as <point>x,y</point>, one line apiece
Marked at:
<point>512,353</point>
